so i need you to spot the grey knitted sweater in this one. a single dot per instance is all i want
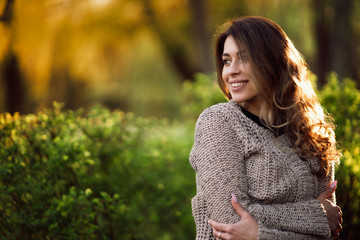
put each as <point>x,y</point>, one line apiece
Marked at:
<point>233,154</point>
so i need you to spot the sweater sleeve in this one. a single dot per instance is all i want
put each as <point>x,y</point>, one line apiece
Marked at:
<point>218,159</point>
<point>275,234</point>
<point>325,182</point>
<point>307,217</point>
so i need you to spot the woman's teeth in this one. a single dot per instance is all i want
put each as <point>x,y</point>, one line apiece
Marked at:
<point>237,84</point>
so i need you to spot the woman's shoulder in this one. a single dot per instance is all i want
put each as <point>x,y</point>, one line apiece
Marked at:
<point>221,111</point>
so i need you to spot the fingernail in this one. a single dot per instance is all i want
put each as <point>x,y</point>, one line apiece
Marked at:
<point>233,197</point>
<point>333,184</point>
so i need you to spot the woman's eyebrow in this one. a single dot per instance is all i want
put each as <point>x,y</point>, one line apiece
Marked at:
<point>238,53</point>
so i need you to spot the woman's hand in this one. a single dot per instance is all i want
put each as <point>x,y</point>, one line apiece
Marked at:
<point>245,229</point>
<point>333,212</point>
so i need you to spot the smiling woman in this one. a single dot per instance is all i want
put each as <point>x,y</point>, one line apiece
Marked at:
<point>237,77</point>
<point>271,149</point>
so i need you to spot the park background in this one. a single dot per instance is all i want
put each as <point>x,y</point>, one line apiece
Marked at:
<point>99,98</point>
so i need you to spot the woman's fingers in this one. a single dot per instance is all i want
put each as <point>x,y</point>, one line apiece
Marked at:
<point>333,212</point>
<point>238,208</point>
<point>220,227</point>
<point>220,235</point>
<point>329,191</point>
<point>246,228</point>
<point>339,227</point>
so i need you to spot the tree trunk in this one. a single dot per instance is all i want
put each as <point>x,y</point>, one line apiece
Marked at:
<point>13,82</point>
<point>322,39</point>
<point>176,51</point>
<point>335,38</point>
<point>199,16</point>
<point>7,13</point>
<point>342,35</point>
<point>14,85</point>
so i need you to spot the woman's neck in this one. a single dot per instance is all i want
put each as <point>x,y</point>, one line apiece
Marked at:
<point>250,108</point>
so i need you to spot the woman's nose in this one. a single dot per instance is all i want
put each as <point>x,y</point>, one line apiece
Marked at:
<point>235,68</point>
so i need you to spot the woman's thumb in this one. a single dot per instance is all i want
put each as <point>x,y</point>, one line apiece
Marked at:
<point>329,191</point>
<point>236,205</point>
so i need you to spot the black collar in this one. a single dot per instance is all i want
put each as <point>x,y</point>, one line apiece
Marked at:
<point>254,118</point>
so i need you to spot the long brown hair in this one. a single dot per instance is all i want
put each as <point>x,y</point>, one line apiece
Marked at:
<point>280,77</point>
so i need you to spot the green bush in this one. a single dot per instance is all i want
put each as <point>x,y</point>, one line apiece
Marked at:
<point>100,175</point>
<point>200,94</point>
<point>342,101</point>
<point>111,175</point>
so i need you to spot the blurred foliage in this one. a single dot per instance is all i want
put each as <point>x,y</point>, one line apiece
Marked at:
<point>103,174</point>
<point>342,101</point>
<point>135,54</point>
<point>99,175</point>
<point>200,94</point>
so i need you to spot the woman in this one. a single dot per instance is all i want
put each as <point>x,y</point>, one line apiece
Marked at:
<point>270,147</point>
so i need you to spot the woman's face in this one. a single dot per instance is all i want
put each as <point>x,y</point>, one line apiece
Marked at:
<point>237,76</point>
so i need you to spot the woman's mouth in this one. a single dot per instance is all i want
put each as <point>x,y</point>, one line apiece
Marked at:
<point>238,85</point>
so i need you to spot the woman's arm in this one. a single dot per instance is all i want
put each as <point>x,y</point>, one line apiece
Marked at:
<point>324,183</point>
<point>307,217</point>
<point>248,229</point>
<point>218,159</point>
<point>318,216</point>
<point>242,229</point>
<point>328,200</point>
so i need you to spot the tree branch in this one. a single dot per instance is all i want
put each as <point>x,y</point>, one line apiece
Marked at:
<point>7,13</point>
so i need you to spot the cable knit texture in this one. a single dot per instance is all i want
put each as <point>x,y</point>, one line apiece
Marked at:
<point>233,154</point>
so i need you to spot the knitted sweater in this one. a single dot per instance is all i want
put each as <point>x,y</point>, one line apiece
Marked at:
<point>233,154</point>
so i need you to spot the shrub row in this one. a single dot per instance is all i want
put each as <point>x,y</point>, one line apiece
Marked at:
<point>106,174</point>
<point>100,175</point>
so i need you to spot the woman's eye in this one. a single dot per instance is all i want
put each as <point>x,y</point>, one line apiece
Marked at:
<point>226,61</point>
<point>244,58</point>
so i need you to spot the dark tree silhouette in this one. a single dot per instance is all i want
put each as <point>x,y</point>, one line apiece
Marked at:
<point>11,75</point>
<point>335,39</point>
<point>177,51</point>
